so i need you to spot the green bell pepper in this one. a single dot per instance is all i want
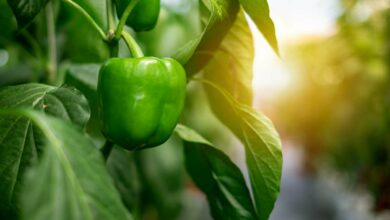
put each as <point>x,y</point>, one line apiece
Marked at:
<point>143,17</point>
<point>140,100</point>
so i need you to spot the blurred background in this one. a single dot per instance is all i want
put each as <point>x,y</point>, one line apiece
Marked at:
<point>329,97</point>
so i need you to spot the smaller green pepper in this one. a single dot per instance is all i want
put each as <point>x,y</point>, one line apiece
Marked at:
<point>140,100</point>
<point>143,17</point>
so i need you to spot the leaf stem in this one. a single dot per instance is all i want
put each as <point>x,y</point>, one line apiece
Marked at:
<point>134,48</point>
<point>106,149</point>
<point>124,17</point>
<point>52,44</point>
<point>88,17</point>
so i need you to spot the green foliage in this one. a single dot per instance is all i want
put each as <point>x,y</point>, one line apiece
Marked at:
<point>26,10</point>
<point>262,148</point>
<point>70,165</point>
<point>258,10</point>
<point>82,43</point>
<point>216,22</point>
<point>84,77</point>
<point>163,173</point>
<point>231,69</point>
<point>196,53</point>
<point>173,31</point>
<point>122,168</point>
<point>217,176</point>
<point>50,137</point>
<point>21,143</point>
<point>7,23</point>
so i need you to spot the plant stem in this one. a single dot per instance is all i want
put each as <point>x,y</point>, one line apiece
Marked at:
<point>124,17</point>
<point>110,16</point>
<point>114,48</point>
<point>106,149</point>
<point>88,17</point>
<point>134,48</point>
<point>52,45</point>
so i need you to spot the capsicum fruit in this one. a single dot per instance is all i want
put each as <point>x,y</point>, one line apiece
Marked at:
<point>143,17</point>
<point>140,100</point>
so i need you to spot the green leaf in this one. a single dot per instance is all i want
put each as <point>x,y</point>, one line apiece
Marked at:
<point>82,43</point>
<point>231,66</point>
<point>84,77</point>
<point>262,148</point>
<point>70,181</point>
<point>122,168</point>
<point>162,172</point>
<point>173,30</point>
<point>220,17</point>
<point>63,102</point>
<point>20,141</point>
<point>26,10</point>
<point>7,23</point>
<point>258,11</point>
<point>95,8</point>
<point>15,74</point>
<point>217,176</point>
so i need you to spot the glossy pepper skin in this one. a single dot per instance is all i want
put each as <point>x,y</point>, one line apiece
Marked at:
<point>143,17</point>
<point>140,100</point>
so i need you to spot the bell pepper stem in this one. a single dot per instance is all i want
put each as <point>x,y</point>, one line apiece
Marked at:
<point>110,15</point>
<point>114,48</point>
<point>106,149</point>
<point>87,16</point>
<point>124,17</point>
<point>134,48</point>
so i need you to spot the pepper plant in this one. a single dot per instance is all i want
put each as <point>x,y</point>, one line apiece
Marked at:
<point>91,98</point>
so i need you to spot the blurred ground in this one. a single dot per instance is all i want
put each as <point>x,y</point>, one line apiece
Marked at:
<point>321,197</point>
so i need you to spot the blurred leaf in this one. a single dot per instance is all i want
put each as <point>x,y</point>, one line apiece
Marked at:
<point>122,168</point>
<point>84,77</point>
<point>231,66</point>
<point>20,142</point>
<point>82,43</point>
<point>26,10</point>
<point>258,10</point>
<point>15,74</point>
<point>162,173</point>
<point>7,23</point>
<point>262,148</point>
<point>70,181</point>
<point>173,30</point>
<point>97,10</point>
<point>197,53</point>
<point>217,176</point>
